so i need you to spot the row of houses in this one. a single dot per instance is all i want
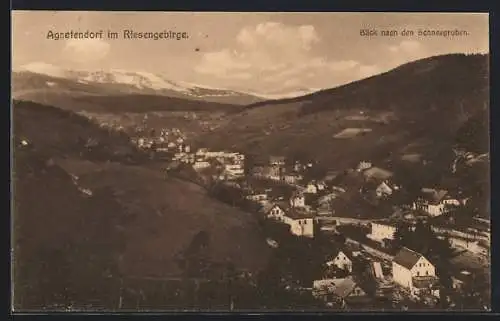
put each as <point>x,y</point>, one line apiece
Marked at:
<point>277,168</point>
<point>301,222</point>
<point>410,270</point>
<point>384,231</point>
<point>232,164</point>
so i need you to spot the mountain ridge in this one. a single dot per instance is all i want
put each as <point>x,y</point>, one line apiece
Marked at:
<point>416,108</point>
<point>125,81</point>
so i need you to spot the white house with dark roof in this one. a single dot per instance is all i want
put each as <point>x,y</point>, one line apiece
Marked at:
<point>434,202</point>
<point>274,211</point>
<point>298,200</point>
<point>301,223</point>
<point>342,260</point>
<point>383,189</point>
<point>379,232</point>
<point>414,272</point>
<point>311,188</point>
<point>363,165</point>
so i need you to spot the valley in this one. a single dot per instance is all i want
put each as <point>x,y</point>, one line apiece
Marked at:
<point>164,178</point>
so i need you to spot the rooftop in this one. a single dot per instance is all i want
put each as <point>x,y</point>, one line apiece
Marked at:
<point>276,159</point>
<point>299,214</point>
<point>326,285</point>
<point>267,207</point>
<point>344,250</point>
<point>345,287</point>
<point>433,195</point>
<point>407,258</point>
<point>377,173</point>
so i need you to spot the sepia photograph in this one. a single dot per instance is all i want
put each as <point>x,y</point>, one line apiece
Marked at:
<point>250,162</point>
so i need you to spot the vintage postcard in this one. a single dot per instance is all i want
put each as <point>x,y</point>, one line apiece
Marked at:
<point>184,161</point>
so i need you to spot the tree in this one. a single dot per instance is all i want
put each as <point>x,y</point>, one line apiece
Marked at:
<point>194,259</point>
<point>402,235</point>
<point>339,239</point>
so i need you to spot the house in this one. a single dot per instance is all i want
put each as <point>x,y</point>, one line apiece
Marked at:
<point>434,202</point>
<point>341,260</point>
<point>260,197</point>
<point>274,211</point>
<point>383,190</point>
<point>234,170</point>
<point>469,245</point>
<point>298,200</point>
<point>201,165</point>
<point>363,165</point>
<point>414,272</point>
<point>311,188</point>
<point>274,173</point>
<point>380,232</point>
<point>298,167</point>
<point>341,290</point>
<point>324,288</point>
<point>348,289</point>
<point>301,223</point>
<point>301,226</point>
<point>292,178</point>
<point>277,161</point>
<point>320,186</point>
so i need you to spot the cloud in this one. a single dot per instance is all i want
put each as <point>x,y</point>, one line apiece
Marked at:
<point>221,62</point>
<point>269,46</point>
<point>86,50</point>
<point>279,55</point>
<point>343,65</point>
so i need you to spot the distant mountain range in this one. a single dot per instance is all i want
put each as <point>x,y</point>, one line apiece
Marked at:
<point>38,78</point>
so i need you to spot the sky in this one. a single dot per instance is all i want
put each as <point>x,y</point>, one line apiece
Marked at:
<point>257,52</point>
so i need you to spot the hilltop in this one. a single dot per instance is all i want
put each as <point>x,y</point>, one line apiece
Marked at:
<point>416,109</point>
<point>82,223</point>
<point>105,98</point>
<point>62,133</point>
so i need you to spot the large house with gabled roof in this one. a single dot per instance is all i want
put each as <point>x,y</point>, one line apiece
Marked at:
<point>301,222</point>
<point>414,272</point>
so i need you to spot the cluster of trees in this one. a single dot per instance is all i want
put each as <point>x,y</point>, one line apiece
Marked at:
<point>233,196</point>
<point>206,284</point>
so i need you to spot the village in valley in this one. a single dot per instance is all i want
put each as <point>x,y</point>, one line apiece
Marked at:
<point>358,238</point>
<point>266,162</point>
